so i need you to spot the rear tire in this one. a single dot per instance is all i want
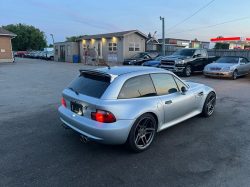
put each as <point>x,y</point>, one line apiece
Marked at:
<point>52,58</point>
<point>187,71</point>
<point>142,133</point>
<point>209,105</point>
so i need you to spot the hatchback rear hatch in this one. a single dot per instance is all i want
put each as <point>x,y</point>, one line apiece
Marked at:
<point>85,91</point>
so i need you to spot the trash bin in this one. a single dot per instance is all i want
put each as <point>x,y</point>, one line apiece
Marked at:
<point>75,58</point>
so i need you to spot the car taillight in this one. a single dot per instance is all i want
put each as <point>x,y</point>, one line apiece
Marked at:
<point>63,102</point>
<point>103,116</point>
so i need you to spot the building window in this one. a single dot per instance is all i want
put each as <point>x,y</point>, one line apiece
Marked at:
<point>137,47</point>
<point>68,50</point>
<point>85,47</point>
<point>112,46</point>
<point>134,46</point>
<point>131,47</point>
<point>56,50</point>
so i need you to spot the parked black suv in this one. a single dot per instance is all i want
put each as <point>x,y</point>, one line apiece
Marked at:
<point>139,58</point>
<point>187,61</point>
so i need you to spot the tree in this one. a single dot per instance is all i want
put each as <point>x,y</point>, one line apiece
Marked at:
<point>74,38</point>
<point>195,39</point>
<point>50,45</point>
<point>28,37</point>
<point>221,45</point>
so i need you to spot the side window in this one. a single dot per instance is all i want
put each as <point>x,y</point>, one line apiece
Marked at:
<point>179,83</point>
<point>197,52</point>
<point>146,57</point>
<point>203,53</point>
<point>140,86</point>
<point>246,60</point>
<point>164,83</point>
<point>243,60</point>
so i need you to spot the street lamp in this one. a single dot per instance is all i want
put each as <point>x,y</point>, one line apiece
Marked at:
<point>52,39</point>
<point>163,36</point>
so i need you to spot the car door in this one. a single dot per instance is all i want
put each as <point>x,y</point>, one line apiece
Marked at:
<point>176,104</point>
<point>242,66</point>
<point>198,62</point>
<point>247,66</point>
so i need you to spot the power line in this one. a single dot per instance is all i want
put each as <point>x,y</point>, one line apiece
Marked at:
<point>191,15</point>
<point>211,25</point>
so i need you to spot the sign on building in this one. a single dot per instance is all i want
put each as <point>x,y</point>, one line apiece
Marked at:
<point>112,56</point>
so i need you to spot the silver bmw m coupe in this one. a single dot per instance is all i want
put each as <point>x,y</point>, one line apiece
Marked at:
<point>129,105</point>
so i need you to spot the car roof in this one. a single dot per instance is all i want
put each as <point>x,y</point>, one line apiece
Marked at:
<point>129,69</point>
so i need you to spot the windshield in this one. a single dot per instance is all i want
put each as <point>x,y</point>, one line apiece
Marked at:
<point>231,60</point>
<point>184,52</point>
<point>138,55</point>
<point>158,58</point>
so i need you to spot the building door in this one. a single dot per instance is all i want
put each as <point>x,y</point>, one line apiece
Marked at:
<point>98,46</point>
<point>62,53</point>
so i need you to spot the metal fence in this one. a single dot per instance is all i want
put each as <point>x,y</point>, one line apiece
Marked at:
<point>218,52</point>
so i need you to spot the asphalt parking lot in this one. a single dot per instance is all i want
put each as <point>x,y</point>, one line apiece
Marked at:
<point>36,151</point>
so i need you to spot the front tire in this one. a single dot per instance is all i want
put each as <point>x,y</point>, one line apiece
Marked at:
<point>187,71</point>
<point>142,133</point>
<point>209,105</point>
<point>235,75</point>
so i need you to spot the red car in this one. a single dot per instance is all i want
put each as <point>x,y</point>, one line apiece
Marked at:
<point>21,53</point>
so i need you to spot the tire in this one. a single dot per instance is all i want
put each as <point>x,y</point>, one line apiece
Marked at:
<point>139,138</point>
<point>209,105</point>
<point>51,58</point>
<point>22,56</point>
<point>235,74</point>
<point>187,71</point>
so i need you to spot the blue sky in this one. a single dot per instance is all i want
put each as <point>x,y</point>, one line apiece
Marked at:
<point>77,17</point>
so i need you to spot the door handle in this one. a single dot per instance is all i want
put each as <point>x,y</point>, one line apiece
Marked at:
<point>200,94</point>
<point>168,102</point>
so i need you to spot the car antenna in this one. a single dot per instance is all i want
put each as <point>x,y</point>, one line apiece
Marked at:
<point>107,65</point>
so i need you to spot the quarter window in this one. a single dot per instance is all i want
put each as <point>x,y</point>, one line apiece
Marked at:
<point>179,83</point>
<point>140,86</point>
<point>164,83</point>
<point>112,46</point>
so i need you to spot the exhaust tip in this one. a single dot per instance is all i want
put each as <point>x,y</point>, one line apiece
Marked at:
<point>65,126</point>
<point>84,138</point>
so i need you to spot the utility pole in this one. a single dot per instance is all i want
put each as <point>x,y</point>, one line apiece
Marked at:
<point>163,36</point>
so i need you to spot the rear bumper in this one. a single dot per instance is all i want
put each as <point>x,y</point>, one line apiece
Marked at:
<point>173,68</point>
<point>106,133</point>
<point>218,74</point>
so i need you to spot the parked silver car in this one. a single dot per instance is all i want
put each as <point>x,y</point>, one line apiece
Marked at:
<point>130,104</point>
<point>228,66</point>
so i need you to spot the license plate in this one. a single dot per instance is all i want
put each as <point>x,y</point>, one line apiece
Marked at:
<point>76,108</point>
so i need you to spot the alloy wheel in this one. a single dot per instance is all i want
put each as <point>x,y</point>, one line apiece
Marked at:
<point>210,105</point>
<point>144,132</point>
<point>188,70</point>
<point>235,75</point>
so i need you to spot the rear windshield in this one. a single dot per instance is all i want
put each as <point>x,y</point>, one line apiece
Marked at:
<point>90,85</point>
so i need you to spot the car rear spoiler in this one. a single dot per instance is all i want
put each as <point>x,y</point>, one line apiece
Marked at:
<point>99,73</point>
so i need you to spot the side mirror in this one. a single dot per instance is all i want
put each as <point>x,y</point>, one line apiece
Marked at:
<point>172,90</point>
<point>183,90</point>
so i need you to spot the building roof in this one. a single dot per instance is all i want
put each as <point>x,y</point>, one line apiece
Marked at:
<point>4,32</point>
<point>160,39</point>
<point>110,35</point>
<point>199,41</point>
